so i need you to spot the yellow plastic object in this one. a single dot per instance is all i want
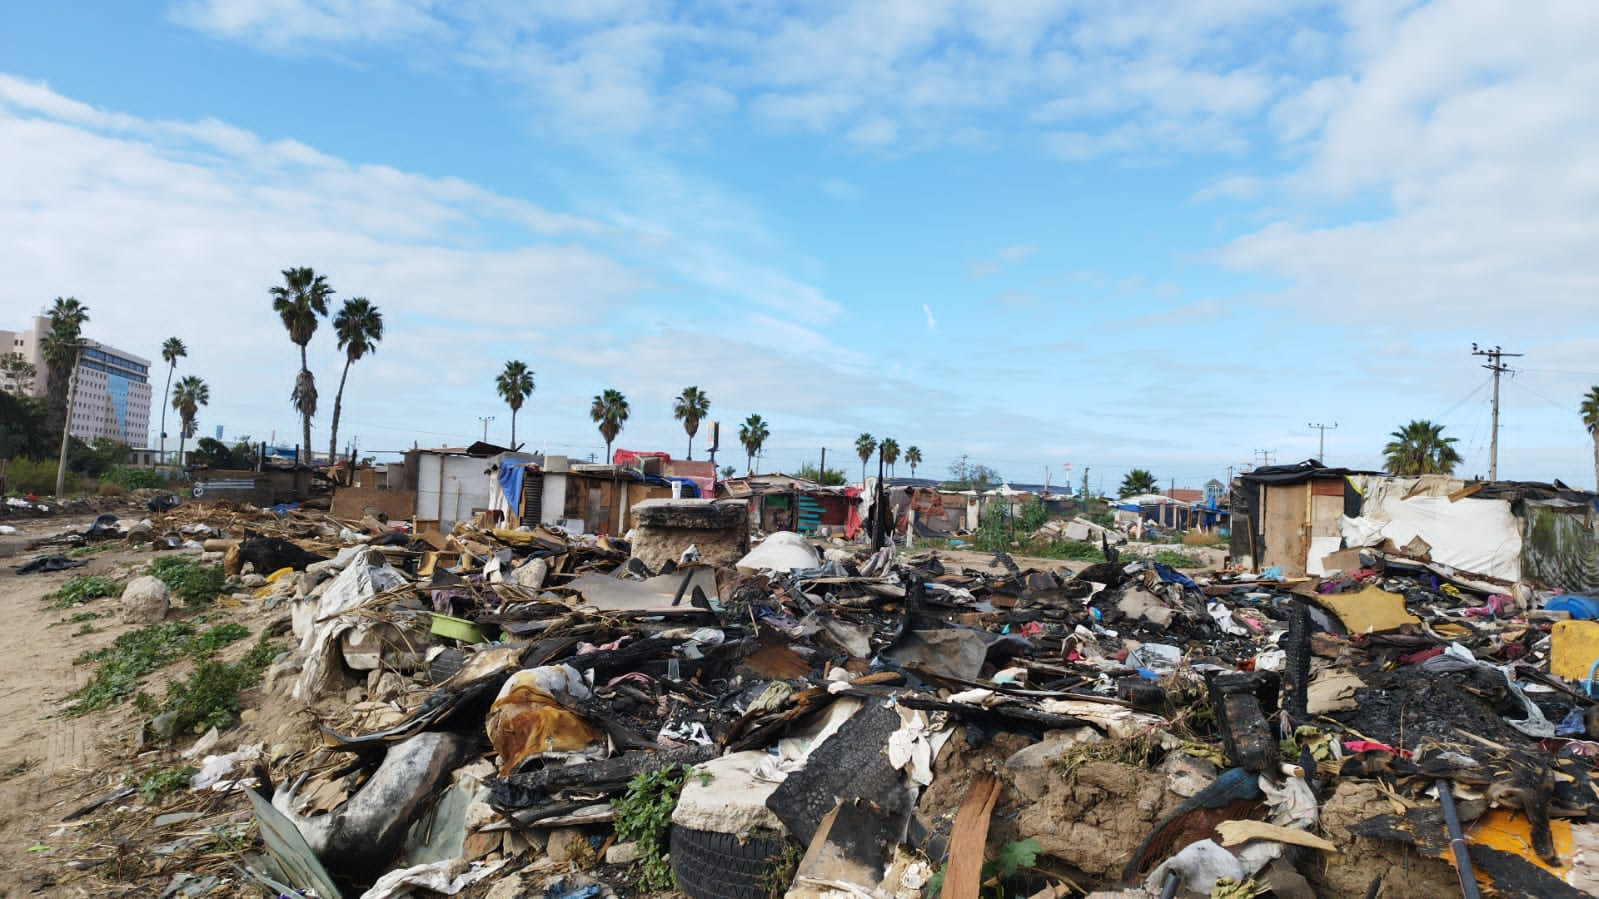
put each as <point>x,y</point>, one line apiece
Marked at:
<point>1573,646</point>
<point>457,629</point>
<point>273,577</point>
<point>1508,832</point>
<point>1369,611</point>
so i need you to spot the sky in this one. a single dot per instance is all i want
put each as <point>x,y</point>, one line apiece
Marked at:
<point>1034,233</point>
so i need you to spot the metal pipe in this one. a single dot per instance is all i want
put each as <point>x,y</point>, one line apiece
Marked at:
<point>1457,844</point>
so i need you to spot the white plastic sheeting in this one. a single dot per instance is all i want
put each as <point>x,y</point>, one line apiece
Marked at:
<point>1473,535</point>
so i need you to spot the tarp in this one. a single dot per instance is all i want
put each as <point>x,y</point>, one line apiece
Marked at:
<point>1560,546</point>
<point>1478,536</point>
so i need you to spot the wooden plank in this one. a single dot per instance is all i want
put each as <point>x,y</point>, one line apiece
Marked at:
<point>963,879</point>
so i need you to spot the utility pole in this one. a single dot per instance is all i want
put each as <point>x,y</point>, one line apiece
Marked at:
<point>1321,452</point>
<point>1264,456</point>
<point>1085,490</point>
<point>1497,367</point>
<point>821,473</point>
<point>485,419</point>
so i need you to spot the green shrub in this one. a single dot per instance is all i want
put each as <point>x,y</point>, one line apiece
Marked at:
<point>1173,559</point>
<point>133,478</point>
<point>191,581</point>
<point>36,476</point>
<point>121,667</point>
<point>644,814</point>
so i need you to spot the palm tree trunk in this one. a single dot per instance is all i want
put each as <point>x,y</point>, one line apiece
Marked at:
<point>607,452</point>
<point>338,406</point>
<point>305,417</point>
<point>690,456</point>
<point>513,427</point>
<point>863,472</point>
<point>1596,458</point>
<point>166,397</point>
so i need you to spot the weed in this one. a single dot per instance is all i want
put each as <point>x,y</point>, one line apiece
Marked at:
<point>82,589</point>
<point>17,770</point>
<point>90,549</point>
<point>776,880</point>
<point>1171,558</point>
<point>1070,550</point>
<point>121,666</point>
<point>84,629</point>
<point>158,783</point>
<point>209,697</point>
<point>190,581</point>
<point>644,814</point>
<point>1012,857</point>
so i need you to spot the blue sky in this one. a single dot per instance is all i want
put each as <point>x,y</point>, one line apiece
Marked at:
<point>1027,231</point>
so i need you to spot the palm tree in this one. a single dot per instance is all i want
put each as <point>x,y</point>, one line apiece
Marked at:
<point>301,301</point>
<point>171,351</point>
<point>59,346</point>
<point>192,393</point>
<point>359,326</point>
<point>689,407</point>
<point>753,433</point>
<point>865,445</point>
<point>913,458</point>
<point>1590,420</point>
<point>890,448</point>
<point>1136,482</point>
<point>1420,448</point>
<point>514,385</point>
<point>609,411</point>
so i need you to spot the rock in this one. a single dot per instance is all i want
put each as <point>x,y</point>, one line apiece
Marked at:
<point>622,854</point>
<point>249,716</point>
<point>252,580</point>
<point>145,600</point>
<point>508,887</point>
<point>1186,775</point>
<point>385,686</point>
<point>565,844</point>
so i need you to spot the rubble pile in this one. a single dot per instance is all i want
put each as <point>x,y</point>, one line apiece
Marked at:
<point>531,712</point>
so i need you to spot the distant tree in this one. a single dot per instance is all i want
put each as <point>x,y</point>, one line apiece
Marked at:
<point>24,428</point>
<point>359,326</point>
<point>515,385</point>
<point>301,302</point>
<point>753,433</point>
<point>690,406</point>
<point>890,448</point>
<point>1420,447</point>
<point>865,445</point>
<point>967,475</point>
<point>18,372</point>
<point>832,477</point>
<point>1136,482</point>
<point>172,349</point>
<point>1590,420</point>
<point>59,346</point>
<point>609,410</point>
<point>728,471</point>
<point>913,458</point>
<point>212,453</point>
<point>190,395</point>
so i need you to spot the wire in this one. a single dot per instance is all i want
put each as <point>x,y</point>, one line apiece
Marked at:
<point>1465,399</point>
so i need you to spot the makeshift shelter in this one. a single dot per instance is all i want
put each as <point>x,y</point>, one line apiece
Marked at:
<point>1294,517</point>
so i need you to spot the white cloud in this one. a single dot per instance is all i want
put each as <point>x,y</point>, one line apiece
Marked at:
<point>932,323</point>
<point>179,229</point>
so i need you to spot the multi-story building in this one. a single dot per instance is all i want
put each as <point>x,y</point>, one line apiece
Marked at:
<point>112,398</point>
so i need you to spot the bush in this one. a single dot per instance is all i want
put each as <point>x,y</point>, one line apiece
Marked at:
<point>36,476</point>
<point>133,478</point>
<point>108,488</point>
<point>82,589</point>
<point>209,697</point>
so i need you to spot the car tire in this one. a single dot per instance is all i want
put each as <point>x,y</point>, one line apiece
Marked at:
<point>712,865</point>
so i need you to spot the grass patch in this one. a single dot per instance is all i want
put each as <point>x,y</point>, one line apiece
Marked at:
<point>209,697</point>
<point>190,581</point>
<point>1069,550</point>
<point>82,589</point>
<point>1171,558</point>
<point>155,785</point>
<point>121,667</point>
<point>90,549</point>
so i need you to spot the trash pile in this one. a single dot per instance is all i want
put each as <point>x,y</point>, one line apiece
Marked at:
<point>529,712</point>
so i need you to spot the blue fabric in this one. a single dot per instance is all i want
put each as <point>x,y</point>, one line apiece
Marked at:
<point>1583,608</point>
<point>511,476</point>
<point>1170,576</point>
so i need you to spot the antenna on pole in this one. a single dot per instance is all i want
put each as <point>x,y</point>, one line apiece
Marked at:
<point>1321,451</point>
